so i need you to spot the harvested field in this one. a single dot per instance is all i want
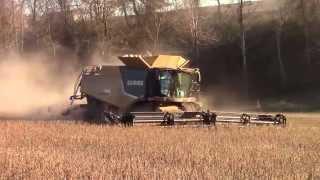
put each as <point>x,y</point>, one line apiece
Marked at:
<point>70,150</point>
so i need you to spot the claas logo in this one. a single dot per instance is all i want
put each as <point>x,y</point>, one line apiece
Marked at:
<point>134,83</point>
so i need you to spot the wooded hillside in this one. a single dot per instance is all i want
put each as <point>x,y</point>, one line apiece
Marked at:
<point>259,49</point>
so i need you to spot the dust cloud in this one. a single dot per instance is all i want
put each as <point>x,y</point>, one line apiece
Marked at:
<point>110,59</point>
<point>227,99</point>
<point>34,86</point>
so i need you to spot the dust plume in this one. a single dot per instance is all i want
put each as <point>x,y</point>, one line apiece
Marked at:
<point>228,99</point>
<point>34,86</point>
<point>108,59</point>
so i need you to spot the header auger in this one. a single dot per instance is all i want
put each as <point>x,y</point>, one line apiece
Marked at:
<point>152,89</point>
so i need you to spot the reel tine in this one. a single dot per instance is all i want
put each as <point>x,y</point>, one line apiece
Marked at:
<point>280,119</point>
<point>168,119</point>
<point>209,118</point>
<point>245,118</point>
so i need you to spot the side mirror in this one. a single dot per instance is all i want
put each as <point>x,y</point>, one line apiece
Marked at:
<point>198,75</point>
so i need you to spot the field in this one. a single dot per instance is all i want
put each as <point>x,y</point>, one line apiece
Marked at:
<point>70,150</point>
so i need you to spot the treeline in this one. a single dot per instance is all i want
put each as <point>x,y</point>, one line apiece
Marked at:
<point>262,47</point>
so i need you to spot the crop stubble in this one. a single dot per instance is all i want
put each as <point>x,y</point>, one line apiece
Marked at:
<point>63,150</point>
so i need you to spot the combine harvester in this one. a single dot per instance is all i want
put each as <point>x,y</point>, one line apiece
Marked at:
<point>152,89</point>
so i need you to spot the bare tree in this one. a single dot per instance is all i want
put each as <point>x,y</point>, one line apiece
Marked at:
<point>9,25</point>
<point>280,20</point>
<point>157,22</point>
<point>34,10</point>
<point>155,17</point>
<point>145,21</point>
<point>124,9</point>
<point>243,46</point>
<point>21,25</point>
<point>306,27</point>
<point>103,10</point>
<point>219,10</point>
<point>14,21</point>
<point>192,9</point>
<point>64,6</point>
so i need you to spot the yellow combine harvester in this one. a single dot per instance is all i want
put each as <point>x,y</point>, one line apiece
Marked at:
<point>150,89</point>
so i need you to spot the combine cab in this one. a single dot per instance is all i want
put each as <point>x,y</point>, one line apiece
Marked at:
<point>150,89</point>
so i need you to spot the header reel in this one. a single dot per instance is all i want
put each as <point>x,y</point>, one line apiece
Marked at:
<point>204,117</point>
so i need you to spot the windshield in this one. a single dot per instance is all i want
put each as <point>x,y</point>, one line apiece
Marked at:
<point>170,83</point>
